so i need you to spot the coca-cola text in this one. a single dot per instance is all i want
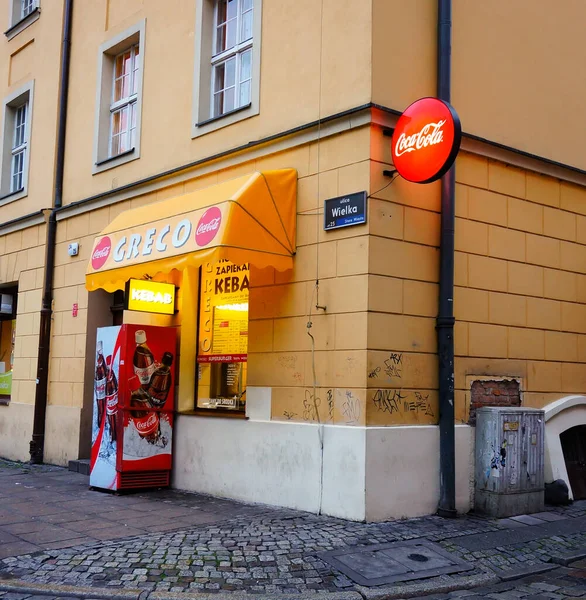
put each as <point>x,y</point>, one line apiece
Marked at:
<point>429,135</point>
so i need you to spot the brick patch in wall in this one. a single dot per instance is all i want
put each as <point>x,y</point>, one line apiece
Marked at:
<point>505,392</point>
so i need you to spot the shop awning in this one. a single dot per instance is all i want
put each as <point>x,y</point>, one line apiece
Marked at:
<point>250,219</point>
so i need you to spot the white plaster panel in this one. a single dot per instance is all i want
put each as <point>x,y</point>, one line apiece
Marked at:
<point>62,434</point>
<point>16,429</point>
<point>344,476</point>
<point>258,403</point>
<point>272,463</point>
<point>255,461</point>
<point>465,461</point>
<point>402,471</point>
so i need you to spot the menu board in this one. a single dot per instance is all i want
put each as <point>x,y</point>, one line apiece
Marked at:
<point>223,336</point>
<point>230,335</point>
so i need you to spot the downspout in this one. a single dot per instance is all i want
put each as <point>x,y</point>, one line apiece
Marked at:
<point>37,444</point>
<point>445,319</point>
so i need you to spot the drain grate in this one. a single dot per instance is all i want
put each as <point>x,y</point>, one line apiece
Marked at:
<point>390,563</point>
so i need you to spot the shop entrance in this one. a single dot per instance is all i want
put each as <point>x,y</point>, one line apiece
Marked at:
<point>574,448</point>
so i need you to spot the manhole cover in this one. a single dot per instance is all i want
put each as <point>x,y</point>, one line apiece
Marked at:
<point>390,563</point>
<point>418,557</point>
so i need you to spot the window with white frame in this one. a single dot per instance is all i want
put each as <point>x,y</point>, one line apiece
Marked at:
<point>22,14</point>
<point>19,148</point>
<point>27,7</point>
<point>119,99</point>
<point>232,55</point>
<point>15,144</point>
<point>227,78</point>
<point>125,94</point>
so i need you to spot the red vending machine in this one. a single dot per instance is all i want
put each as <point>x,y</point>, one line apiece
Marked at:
<point>132,425</point>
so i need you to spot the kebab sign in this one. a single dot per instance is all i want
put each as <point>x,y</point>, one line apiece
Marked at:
<point>426,140</point>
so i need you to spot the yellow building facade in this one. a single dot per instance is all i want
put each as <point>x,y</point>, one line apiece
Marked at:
<point>342,404</point>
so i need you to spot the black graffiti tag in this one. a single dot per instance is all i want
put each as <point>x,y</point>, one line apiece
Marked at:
<point>388,400</point>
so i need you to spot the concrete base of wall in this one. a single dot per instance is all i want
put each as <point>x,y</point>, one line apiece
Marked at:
<point>62,434</point>
<point>16,428</point>
<point>372,474</point>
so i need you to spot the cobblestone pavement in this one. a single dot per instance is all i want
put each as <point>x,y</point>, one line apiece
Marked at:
<point>257,549</point>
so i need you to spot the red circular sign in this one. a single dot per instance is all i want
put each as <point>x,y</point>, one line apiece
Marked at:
<point>426,140</point>
<point>208,226</point>
<point>101,253</point>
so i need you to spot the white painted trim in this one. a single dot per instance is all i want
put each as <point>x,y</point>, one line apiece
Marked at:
<point>552,409</point>
<point>560,416</point>
<point>24,24</point>
<point>27,90</point>
<point>104,84</point>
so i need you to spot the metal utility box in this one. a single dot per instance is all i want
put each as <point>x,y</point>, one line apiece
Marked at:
<point>509,461</point>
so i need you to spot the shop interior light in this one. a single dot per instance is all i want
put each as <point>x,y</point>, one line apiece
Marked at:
<point>237,307</point>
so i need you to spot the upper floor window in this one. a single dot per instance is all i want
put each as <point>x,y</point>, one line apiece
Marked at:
<point>19,148</point>
<point>125,94</point>
<point>227,78</point>
<point>27,7</point>
<point>119,99</point>
<point>232,56</point>
<point>22,14</point>
<point>15,144</point>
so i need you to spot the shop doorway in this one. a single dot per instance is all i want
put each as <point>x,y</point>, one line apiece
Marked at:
<point>574,448</point>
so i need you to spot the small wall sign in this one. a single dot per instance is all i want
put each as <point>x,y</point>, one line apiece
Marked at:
<point>150,296</point>
<point>426,140</point>
<point>345,211</point>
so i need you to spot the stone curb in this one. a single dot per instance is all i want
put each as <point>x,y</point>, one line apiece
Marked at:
<point>526,571</point>
<point>45,589</point>
<point>566,559</point>
<point>389,592</point>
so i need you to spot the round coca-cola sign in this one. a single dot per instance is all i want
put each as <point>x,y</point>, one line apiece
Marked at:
<point>101,253</point>
<point>208,226</point>
<point>426,140</point>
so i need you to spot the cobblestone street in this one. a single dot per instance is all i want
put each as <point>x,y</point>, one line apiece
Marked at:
<point>55,532</point>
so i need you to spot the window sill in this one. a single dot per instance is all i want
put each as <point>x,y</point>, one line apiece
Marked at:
<point>215,414</point>
<point>115,161</point>
<point>229,118</point>
<point>23,23</point>
<point>111,158</point>
<point>8,198</point>
<point>224,115</point>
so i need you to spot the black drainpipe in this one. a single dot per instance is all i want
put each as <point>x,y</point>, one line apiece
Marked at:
<point>37,444</point>
<point>445,319</point>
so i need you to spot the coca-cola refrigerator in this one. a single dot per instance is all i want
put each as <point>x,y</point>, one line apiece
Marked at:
<point>132,424</point>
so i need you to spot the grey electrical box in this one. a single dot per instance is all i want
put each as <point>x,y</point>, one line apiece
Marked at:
<point>509,461</point>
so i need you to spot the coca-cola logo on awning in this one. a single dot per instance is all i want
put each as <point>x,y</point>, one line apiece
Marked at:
<point>101,253</point>
<point>208,226</point>
<point>426,140</point>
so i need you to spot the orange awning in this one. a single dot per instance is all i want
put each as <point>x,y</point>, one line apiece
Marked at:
<point>250,219</point>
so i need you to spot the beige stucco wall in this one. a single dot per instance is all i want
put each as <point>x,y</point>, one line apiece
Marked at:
<point>22,256</point>
<point>513,63</point>
<point>296,87</point>
<point>34,55</point>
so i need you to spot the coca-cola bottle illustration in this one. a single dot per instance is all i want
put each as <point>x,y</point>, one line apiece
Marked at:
<point>111,398</point>
<point>100,377</point>
<point>145,420</point>
<point>160,383</point>
<point>143,360</point>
